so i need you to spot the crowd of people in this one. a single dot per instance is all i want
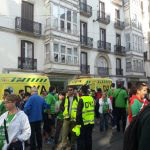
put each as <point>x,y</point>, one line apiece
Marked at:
<point>65,120</point>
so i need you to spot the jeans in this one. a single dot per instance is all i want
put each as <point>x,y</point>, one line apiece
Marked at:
<point>36,136</point>
<point>84,141</point>
<point>104,121</point>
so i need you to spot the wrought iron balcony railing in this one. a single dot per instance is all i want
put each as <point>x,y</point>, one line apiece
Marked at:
<point>25,25</point>
<point>85,9</point>
<point>86,41</point>
<point>102,17</point>
<point>103,46</point>
<point>27,63</point>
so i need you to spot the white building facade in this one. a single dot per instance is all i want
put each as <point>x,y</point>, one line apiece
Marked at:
<point>102,39</point>
<point>21,32</point>
<point>71,38</point>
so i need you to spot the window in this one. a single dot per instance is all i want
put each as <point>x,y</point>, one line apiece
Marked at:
<point>74,22</point>
<point>127,41</point>
<point>47,53</point>
<point>75,56</point>
<point>62,19</point>
<point>83,29</point>
<point>102,9</point>
<point>55,17</point>
<point>118,63</point>
<point>63,55</point>
<point>27,10</point>
<point>69,21</point>
<point>117,14</point>
<point>128,65</point>
<point>65,18</point>
<point>118,39</point>
<point>84,59</point>
<point>102,34</point>
<point>56,52</point>
<point>27,50</point>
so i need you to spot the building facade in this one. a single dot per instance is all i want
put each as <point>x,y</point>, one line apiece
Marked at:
<point>102,39</point>
<point>62,41</point>
<point>21,32</point>
<point>134,36</point>
<point>65,39</point>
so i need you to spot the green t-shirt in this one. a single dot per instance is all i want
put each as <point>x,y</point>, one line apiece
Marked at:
<point>105,106</point>
<point>2,130</point>
<point>60,113</point>
<point>120,98</point>
<point>110,92</point>
<point>50,100</point>
<point>135,107</point>
<point>2,108</point>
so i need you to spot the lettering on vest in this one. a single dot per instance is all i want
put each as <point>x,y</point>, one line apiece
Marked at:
<point>88,104</point>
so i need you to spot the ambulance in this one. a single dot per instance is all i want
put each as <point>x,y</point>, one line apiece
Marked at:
<point>94,83</point>
<point>16,82</point>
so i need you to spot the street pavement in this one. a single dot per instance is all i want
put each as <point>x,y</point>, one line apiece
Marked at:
<point>110,140</point>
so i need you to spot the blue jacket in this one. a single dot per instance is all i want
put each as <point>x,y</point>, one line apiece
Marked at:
<point>34,108</point>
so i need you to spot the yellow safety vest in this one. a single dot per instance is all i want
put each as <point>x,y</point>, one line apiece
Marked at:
<point>73,113</point>
<point>88,110</point>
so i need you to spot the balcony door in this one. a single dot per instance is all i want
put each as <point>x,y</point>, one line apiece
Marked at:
<point>118,63</point>
<point>83,29</point>
<point>27,16</point>
<point>102,9</point>
<point>83,33</point>
<point>102,38</point>
<point>27,54</point>
<point>118,39</point>
<point>84,62</point>
<point>117,14</point>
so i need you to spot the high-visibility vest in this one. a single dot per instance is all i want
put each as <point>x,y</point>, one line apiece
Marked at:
<point>88,110</point>
<point>73,113</point>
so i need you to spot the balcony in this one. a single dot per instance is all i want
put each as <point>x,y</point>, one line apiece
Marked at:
<point>86,42</point>
<point>85,69</point>
<point>119,25</point>
<point>27,63</point>
<point>103,46</point>
<point>119,50</point>
<point>85,10</point>
<point>25,25</point>
<point>102,71</point>
<point>118,2</point>
<point>119,71</point>
<point>103,18</point>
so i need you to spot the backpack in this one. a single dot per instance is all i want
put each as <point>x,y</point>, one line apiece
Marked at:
<point>132,132</point>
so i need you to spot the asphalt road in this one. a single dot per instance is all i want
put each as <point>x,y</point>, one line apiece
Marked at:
<point>110,140</point>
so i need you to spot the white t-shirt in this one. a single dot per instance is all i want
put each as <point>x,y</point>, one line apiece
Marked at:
<point>70,104</point>
<point>101,104</point>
